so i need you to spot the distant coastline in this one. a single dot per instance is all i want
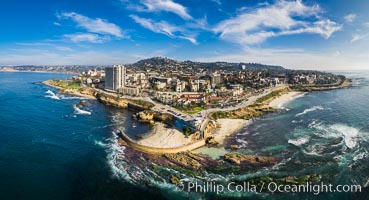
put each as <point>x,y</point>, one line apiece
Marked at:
<point>48,72</point>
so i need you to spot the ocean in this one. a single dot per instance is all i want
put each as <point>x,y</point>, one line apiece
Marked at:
<point>51,149</point>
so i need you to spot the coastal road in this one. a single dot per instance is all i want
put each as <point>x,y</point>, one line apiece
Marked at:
<point>244,103</point>
<point>202,115</point>
<point>205,113</point>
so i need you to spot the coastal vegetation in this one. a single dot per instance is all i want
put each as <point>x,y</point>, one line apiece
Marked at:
<point>74,88</point>
<point>67,84</point>
<point>341,83</point>
<point>258,108</point>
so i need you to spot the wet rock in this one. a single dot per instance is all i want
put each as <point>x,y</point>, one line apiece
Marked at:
<point>83,103</point>
<point>242,159</point>
<point>234,147</point>
<point>174,180</point>
<point>185,159</point>
<point>210,141</point>
<point>149,116</point>
<point>290,180</point>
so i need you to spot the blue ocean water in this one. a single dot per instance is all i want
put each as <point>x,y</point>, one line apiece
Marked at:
<point>324,133</point>
<point>51,150</point>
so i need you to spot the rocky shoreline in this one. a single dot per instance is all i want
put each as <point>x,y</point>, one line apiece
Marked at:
<point>188,163</point>
<point>102,97</point>
<point>345,83</point>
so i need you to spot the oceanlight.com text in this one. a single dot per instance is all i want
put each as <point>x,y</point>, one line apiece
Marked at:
<point>272,187</point>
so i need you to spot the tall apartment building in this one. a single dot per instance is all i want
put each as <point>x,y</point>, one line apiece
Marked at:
<point>115,77</point>
<point>216,79</point>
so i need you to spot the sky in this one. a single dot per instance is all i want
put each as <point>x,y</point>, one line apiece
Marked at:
<point>296,34</point>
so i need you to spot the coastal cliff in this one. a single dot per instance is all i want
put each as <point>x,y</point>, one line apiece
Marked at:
<point>105,98</point>
<point>343,83</point>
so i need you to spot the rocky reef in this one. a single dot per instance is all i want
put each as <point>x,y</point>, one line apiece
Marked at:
<point>254,160</point>
<point>187,164</point>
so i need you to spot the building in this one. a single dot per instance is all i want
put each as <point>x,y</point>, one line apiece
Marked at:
<point>215,79</point>
<point>192,97</point>
<point>115,77</point>
<point>236,89</point>
<point>161,82</point>
<point>130,90</point>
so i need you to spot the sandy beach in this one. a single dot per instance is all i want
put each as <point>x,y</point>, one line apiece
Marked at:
<point>162,137</point>
<point>232,126</point>
<point>228,127</point>
<point>285,98</point>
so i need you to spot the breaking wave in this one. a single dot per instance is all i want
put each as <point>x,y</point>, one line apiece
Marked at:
<point>299,141</point>
<point>79,111</point>
<point>242,143</point>
<point>314,108</point>
<point>349,134</point>
<point>115,158</point>
<point>52,95</point>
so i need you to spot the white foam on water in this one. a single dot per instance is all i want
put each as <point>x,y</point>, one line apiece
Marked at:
<point>366,184</point>
<point>52,95</point>
<point>314,108</point>
<point>360,156</point>
<point>71,97</point>
<point>242,143</point>
<point>115,158</point>
<point>79,111</point>
<point>243,133</point>
<point>299,141</point>
<point>313,151</point>
<point>349,134</point>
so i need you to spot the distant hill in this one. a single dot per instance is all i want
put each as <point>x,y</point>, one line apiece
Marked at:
<point>155,62</point>
<point>165,62</point>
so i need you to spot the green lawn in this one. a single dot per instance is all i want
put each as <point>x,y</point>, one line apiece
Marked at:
<point>67,84</point>
<point>194,110</point>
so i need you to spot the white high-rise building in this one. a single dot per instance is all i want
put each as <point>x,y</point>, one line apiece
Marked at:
<point>115,77</point>
<point>216,79</point>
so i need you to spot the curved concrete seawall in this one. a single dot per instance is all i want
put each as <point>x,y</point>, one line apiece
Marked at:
<point>155,150</point>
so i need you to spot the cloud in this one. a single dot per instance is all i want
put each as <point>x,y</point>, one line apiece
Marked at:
<point>350,17</point>
<point>86,37</point>
<point>34,43</point>
<point>254,26</point>
<point>323,27</point>
<point>57,24</point>
<point>158,6</point>
<point>294,58</point>
<point>357,37</point>
<point>98,25</point>
<point>165,28</point>
<point>217,2</point>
